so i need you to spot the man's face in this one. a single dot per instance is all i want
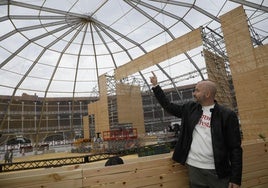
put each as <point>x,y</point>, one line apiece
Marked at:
<point>199,93</point>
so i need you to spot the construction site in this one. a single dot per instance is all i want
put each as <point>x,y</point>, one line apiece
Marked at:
<point>63,118</point>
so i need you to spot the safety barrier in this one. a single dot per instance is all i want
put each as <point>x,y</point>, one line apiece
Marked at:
<point>136,172</point>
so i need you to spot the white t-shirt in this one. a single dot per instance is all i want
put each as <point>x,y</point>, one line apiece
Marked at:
<point>201,152</point>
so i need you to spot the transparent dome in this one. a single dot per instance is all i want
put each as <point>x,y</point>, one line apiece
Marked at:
<point>59,48</point>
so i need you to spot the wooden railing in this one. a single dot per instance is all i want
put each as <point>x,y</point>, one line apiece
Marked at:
<point>143,172</point>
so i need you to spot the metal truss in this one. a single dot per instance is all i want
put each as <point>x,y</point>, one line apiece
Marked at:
<point>51,163</point>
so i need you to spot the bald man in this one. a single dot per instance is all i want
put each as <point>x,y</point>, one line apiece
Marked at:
<point>210,142</point>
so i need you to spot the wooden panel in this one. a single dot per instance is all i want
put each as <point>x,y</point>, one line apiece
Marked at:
<point>86,127</point>
<point>255,168</point>
<point>144,172</point>
<point>139,174</point>
<point>100,108</point>
<point>249,69</point>
<point>261,54</point>
<point>129,106</point>
<point>175,47</point>
<point>216,71</point>
<point>238,41</point>
<point>123,96</point>
<point>44,178</point>
<point>92,108</point>
<point>103,116</point>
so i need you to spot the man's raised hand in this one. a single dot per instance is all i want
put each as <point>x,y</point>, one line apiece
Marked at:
<point>153,79</point>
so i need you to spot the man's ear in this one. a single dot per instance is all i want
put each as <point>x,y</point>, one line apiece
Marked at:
<point>208,94</point>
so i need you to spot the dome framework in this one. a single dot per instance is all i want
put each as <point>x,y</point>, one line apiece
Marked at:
<point>58,49</point>
<point>55,49</point>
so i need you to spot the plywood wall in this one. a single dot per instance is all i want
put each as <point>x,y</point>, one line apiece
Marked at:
<point>129,106</point>
<point>217,73</point>
<point>100,108</point>
<point>86,127</point>
<point>249,67</point>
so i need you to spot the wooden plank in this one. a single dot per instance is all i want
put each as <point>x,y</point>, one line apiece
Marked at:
<point>86,127</point>
<point>257,176</point>
<point>144,172</point>
<point>74,183</point>
<point>262,55</point>
<point>139,164</point>
<point>139,178</point>
<point>249,166</point>
<point>175,47</point>
<point>36,179</point>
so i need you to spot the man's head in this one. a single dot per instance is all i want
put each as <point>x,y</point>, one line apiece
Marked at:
<point>205,92</point>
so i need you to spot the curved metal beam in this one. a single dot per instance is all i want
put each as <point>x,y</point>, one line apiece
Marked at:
<point>98,23</point>
<point>32,66</point>
<point>189,5</point>
<point>252,5</point>
<point>116,41</point>
<point>51,79</point>
<point>30,41</point>
<point>105,44</point>
<point>195,66</point>
<point>165,13</point>
<point>95,57</point>
<point>174,85</point>
<point>45,9</point>
<point>22,29</point>
<point>150,18</point>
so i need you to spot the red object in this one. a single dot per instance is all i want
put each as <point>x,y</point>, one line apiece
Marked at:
<point>124,134</point>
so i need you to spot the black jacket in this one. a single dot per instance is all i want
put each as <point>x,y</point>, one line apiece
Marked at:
<point>225,132</point>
